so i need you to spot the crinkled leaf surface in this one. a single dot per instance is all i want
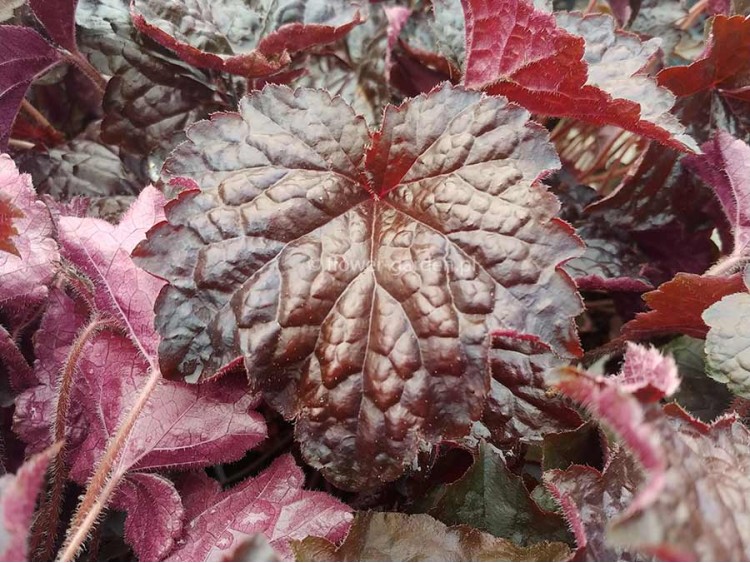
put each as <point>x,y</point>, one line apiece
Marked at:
<point>58,19</point>
<point>273,504</point>
<point>359,283</point>
<point>490,498</point>
<point>577,66</point>
<point>677,306</point>
<point>728,342</point>
<point>590,499</point>
<point>18,497</point>
<point>384,536</point>
<point>724,65</point>
<point>25,274</point>
<point>725,167</point>
<point>24,55</point>
<point>518,407</point>
<point>246,37</point>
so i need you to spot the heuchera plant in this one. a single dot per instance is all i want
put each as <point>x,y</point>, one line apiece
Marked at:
<point>374,280</point>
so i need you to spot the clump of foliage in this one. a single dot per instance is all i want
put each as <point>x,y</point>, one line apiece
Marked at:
<point>397,280</point>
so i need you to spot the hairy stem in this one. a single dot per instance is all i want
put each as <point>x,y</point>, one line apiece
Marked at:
<point>99,82</point>
<point>43,122</point>
<point>727,265</point>
<point>47,522</point>
<point>105,479</point>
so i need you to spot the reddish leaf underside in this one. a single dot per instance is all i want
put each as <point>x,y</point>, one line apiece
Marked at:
<point>273,504</point>
<point>25,273</point>
<point>725,167</point>
<point>181,426</point>
<point>230,36</point>
<point>359,283</point>
<point>572,67</point>
<point>677,305</point>
<point>18,498</point>
<point>24,55</point>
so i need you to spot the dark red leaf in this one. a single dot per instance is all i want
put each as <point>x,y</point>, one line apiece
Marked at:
<point>572,67</point>
<point>518,406</point>
<point>677,305</point>
<point>724,65</point>
<point>273,504</point>
<point>233,37</point>
<point>24,55</point>
<point>358,283</point>
<point>58,18</point>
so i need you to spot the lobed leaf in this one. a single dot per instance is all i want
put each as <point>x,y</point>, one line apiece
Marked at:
<point>359,283</point>
<point>677,306</point>
<point>384,536</point>
<point>251,38</point>
<point>569,67</point>
<point>8,212</point>
<point>273,504</point>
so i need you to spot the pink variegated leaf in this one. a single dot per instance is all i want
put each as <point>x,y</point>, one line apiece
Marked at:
<point>647,374</point>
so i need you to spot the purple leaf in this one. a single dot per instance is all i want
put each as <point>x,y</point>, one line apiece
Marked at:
<point>18,497</point>
<point>58,18</point>
<point>725,167</point>
<point>358,273</point>
<point>24,276</point>
<point>273,503</point>
<point>24,55</point>
<point>180,426</point>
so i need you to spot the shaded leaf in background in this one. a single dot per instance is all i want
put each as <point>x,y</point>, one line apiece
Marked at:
<point>273,504</point>
<point>58,19</point>
<point>724,65</point>
<point>18,497</point>
<point>584,445</point>
<point>591,499</point>
<point>24,275</point>
<point>383,536</point>
<point>250,41</point>
<point>570,68</point>
<point>728,343</point>
<point>677,306</point>
<point>490,498</point>
<point>24,55</point>
<point>700,395</point>
<point>725,167</point>
<point>518,407</point>
<point>359,283</point>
